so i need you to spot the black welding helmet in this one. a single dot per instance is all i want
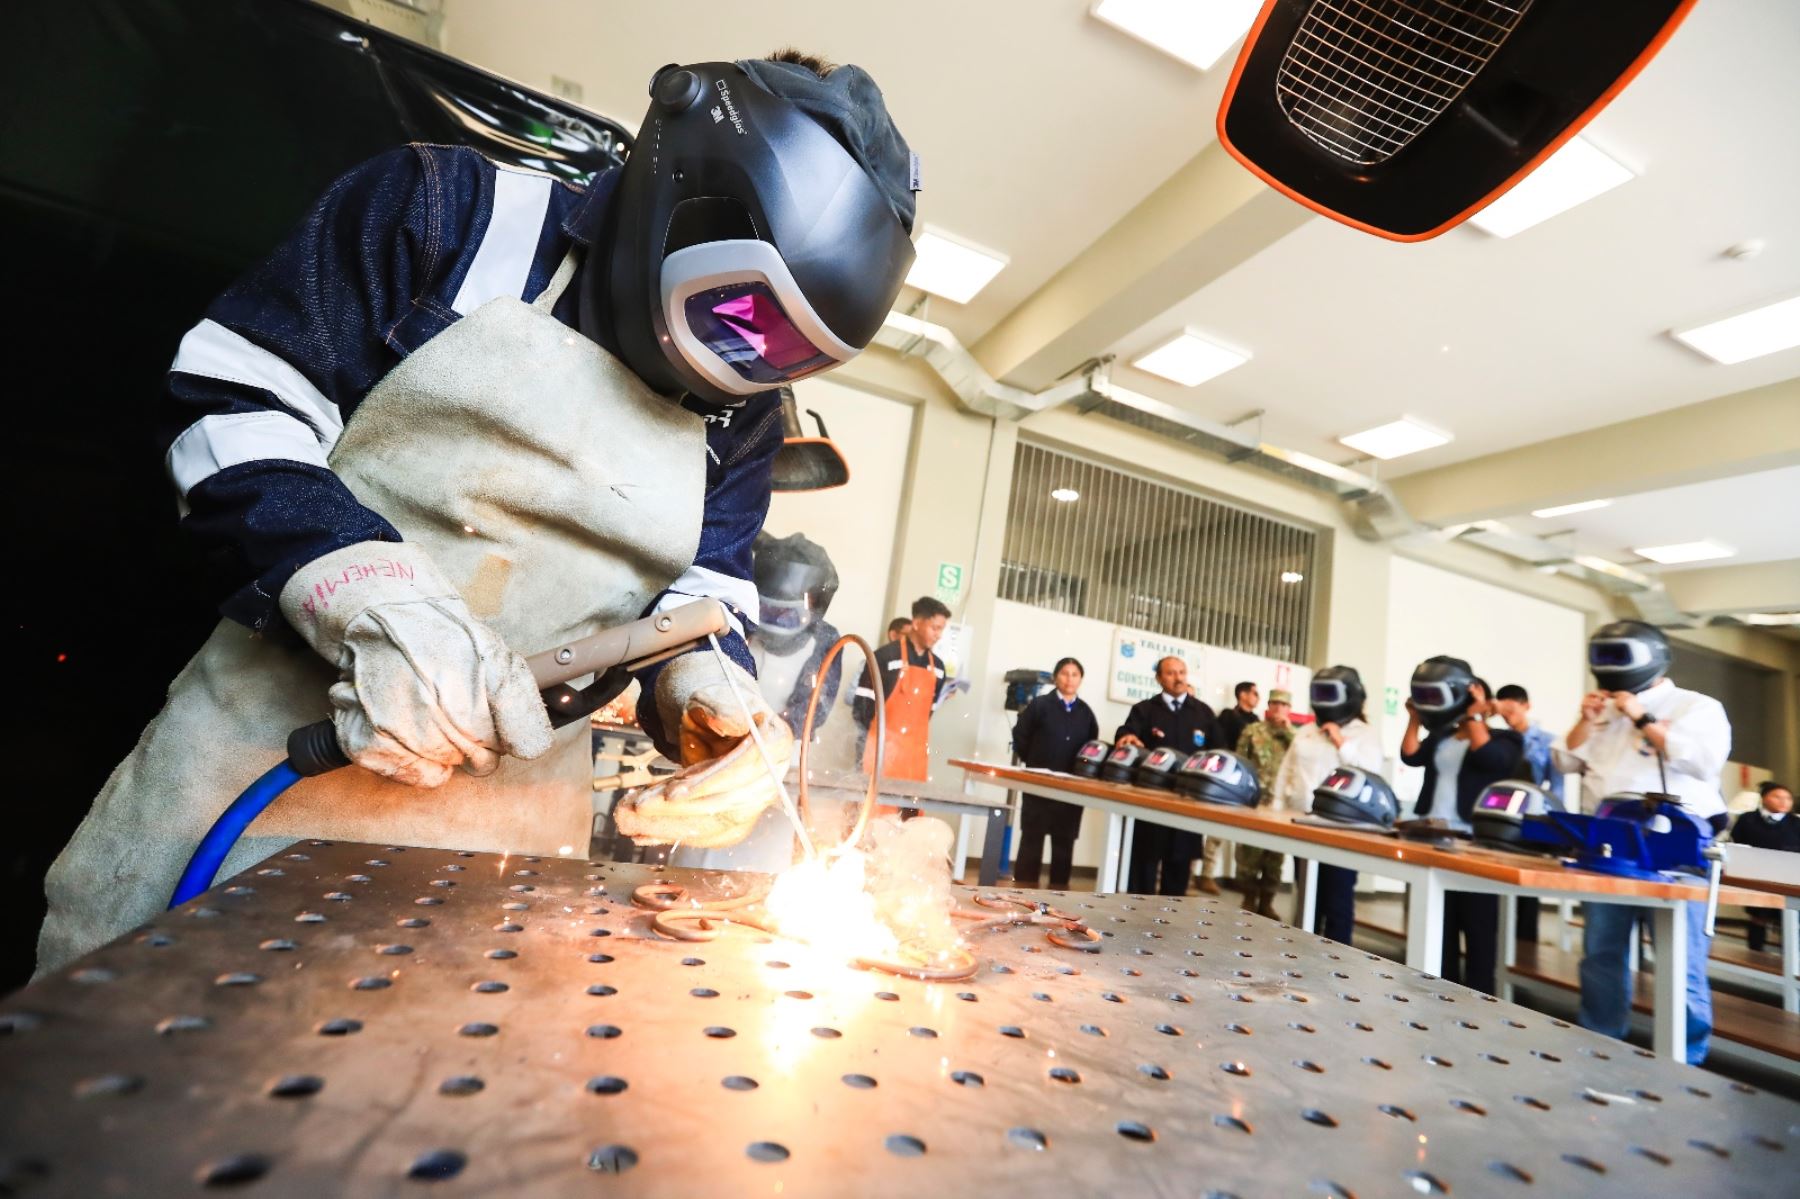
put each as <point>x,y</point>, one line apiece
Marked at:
<point>1337,695</point>
<point>763,226</point>
<point>1218,776</point>
<point>1089,758</point>
<point>1158,769</point>
<point>1353,796</point>
<point>1503,807</point>
<point>1121,763</point>
<point>1440,690</point>
<point>1628,655</point>
<point>795,581</point>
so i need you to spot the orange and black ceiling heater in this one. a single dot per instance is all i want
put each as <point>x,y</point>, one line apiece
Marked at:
<point>1404,117</point>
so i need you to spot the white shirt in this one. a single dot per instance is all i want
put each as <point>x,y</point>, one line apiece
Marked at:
<point>1698,743</point>
<point>1446,766</point>
<point>1174,701</point>
<point>1312,757</point>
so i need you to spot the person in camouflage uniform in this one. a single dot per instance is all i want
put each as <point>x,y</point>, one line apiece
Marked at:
<point>1263,745</point>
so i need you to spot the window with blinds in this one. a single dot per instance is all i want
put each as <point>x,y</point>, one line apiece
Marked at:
<point>1132,552</point>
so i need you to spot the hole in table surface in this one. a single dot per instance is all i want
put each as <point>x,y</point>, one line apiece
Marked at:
<point>612,1159</point>
<point>105,1085</point>
<point>235,1170</point>
<point>340,1027</point>
<point>1027,1138</point>
<point>739,1082</point>
<point>435,1165</point>
<point>175,1024</point>
<point>461,1084</point>
<point>767,1151</point>
<point>296,1086</point>
<point>478,1029</point>
<point>607,1084</point>
<point>967,1078</point>
<point>607,1032</point>
<point>904,1145</point>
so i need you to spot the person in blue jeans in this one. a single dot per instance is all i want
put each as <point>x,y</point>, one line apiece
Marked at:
<point>1639,732</point>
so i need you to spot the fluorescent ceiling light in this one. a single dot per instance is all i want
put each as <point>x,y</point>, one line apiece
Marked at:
<point>1685,551</point>
<point>1189,359</point>
<point>1195,31</point>
<point>1573,175</point>
<point>1067,495</point>
<point>1569,509</point>
<point>1396,439</point>
<point>1748,335</point>
<point>1291,576</point>
<point>950,267</point>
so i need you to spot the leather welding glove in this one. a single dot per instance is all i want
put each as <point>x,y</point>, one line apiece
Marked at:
<point>724,785</point>
<point>425,686</point>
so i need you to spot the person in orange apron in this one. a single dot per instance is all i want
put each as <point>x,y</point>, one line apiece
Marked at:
<point>912,681</point>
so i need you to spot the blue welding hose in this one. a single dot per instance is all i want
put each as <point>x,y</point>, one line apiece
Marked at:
<point>203,867</point>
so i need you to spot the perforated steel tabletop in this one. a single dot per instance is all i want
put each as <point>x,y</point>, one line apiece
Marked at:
<point>366,1020</point>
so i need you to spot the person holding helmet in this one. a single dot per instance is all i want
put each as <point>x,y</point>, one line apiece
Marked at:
<point>1639,732</point>
<point>1340,735</point>
<point>466,412</point>
<point>1447,733</point>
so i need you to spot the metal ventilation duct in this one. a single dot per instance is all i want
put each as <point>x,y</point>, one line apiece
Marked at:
<point>1374,511</point>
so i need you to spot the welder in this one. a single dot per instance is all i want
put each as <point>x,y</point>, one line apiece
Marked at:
<point>466,411</point>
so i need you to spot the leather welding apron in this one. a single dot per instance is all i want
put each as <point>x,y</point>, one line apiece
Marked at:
<point>908,711</point>
<point>560,495</point>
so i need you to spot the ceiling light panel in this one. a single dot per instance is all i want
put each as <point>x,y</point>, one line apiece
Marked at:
<point>1397,439</point>
<point>952,268</point>
<point>1198,32</point>
<point>1189,359</point>
<point>1685,551</point>
<point>1569,509</point>
<point>1573,175</point>
<point>1749,334</point>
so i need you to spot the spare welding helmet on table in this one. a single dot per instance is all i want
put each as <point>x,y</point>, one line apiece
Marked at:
<point>1089,758</point>
<point>1440,690</point>
<point>1121,763</point>
<point>1352,796</point>
<point>1219,776</point>
<point>1502,809</point>
<point>1157,769</point>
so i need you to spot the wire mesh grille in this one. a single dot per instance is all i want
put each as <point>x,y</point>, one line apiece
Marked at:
<point>1133,552</point>
<point>1363,78</point>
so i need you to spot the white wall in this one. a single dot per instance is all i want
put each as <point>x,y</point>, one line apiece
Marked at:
<point>1505,636</point>
<point>856,523</point>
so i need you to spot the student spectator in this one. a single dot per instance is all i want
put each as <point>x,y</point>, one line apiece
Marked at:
<point>1513,705</point>
<point>1049,731</point>
<point>1640,732</point>
<point>1340,735</point>
<point>1264,744</point>
<point>1772,826</point>
<point>1461,758</point>
<point>912,683</point>
<point>1177,719</point>
<point>1234,720</point>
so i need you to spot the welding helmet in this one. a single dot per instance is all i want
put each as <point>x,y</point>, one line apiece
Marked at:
<point>1089,758</point>
<point>1157,769</point>
<point>1440,690</point>
<point>1337,695</point>
<point>1121,763</point>
<point>795,581</point>
<point>1628,655</point>
<point>1353,796</point>
<point>1501,810</point>
<point>1217,776</point>
<point>762,228</point>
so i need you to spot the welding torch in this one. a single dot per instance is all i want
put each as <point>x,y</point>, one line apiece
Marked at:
<point>611,655</point>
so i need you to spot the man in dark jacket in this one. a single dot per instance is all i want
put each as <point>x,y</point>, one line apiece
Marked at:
<point>1178,720</point>
<point>1461,758</point>
<point>1234,720</point>
<point>1772,826</point>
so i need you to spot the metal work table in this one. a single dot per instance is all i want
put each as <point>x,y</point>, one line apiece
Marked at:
<point>1428,873</point>
<point>365,1020</point>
